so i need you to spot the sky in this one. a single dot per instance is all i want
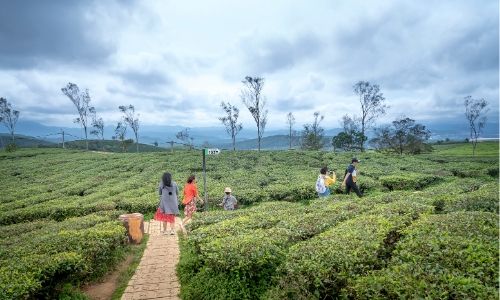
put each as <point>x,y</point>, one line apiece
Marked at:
<point>175,61</point>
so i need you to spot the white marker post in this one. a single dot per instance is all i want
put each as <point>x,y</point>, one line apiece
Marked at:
<point>205,152</point>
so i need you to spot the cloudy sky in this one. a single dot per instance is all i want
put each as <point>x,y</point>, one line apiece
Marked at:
<point>175,61</point>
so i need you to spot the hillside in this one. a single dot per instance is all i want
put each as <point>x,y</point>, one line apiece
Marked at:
<point>427,220</point>
<point>24,141</point>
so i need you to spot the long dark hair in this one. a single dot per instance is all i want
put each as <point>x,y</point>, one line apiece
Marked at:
<point>191,179</point>
<point>167,179</point>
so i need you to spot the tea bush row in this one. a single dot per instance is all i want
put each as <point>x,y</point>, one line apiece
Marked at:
<point>34,263</point>
<point>247,250</point>
<point>450,256</point>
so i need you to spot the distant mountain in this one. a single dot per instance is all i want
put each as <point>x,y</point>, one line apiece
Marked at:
<point>216,135</point>
<point>24,141</point>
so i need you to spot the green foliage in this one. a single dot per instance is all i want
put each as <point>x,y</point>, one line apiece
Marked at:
<point>35,263</point>
<point>58,210</point>
<point>12,147</point>
<point>408,181</point>
<point>456,254</point>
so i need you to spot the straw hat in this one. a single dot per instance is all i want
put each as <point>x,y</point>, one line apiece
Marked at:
<point>227,190</point>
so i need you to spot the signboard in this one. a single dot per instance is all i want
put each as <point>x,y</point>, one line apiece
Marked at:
<point>205,152</point>
<point>212,151</point>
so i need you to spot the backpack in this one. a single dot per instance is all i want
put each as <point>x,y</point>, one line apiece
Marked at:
<point>320,185</point>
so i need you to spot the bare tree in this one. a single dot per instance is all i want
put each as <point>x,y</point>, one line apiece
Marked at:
<point>372,106</point>
<point>120,134</point>
<point>230,121</point>
<point>474,108</point>
<point>8,117</point>
<point>251,95</point>
<point>184,136</point>
<point>131,120</point>
<point>313,134</point>
<point>82,102</point>
<point>97,125</point>
<point>290,120</point>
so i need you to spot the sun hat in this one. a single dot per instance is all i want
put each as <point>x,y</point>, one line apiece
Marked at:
<point>227,190</point>
<point>355,160</point>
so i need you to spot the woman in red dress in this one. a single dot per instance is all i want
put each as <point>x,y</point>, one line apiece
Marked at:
<point>190,197</point>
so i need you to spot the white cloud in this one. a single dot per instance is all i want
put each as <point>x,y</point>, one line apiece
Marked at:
<point>176,61</point>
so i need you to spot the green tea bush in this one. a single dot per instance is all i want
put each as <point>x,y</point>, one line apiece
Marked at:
<point>408,181</point>
<point>484,199</point>
<point>456,254</point>
<point>37,261</point>
<point>320,267</point>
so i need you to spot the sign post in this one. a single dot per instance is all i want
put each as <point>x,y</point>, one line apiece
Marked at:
<point>205,152</point>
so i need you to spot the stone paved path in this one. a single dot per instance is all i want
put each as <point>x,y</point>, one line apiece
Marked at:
<point>155,276</point>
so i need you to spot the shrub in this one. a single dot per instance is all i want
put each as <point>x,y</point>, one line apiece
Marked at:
<point>484,199</point>
<point>409,181</point>
<point>321,266</point>
<point>456,254</point>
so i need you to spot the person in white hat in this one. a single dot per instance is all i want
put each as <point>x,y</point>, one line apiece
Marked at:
<point>229,202</point>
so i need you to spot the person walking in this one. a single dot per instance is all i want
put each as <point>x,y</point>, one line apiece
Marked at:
<point>350,178</point>
<point>229,202</point>
<point>189,200</point>
<point>168,207</point>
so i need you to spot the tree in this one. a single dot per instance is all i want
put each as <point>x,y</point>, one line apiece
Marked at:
<point>351,137</point>
<point>404,136</point>
<point>81,100</point>
<point>251,95</point>
<point>8,117</point>
<point>312,136</point>
<point>131,120</point>
<point>230,121</point>
<point>372,106</point>
<point>120,134</point>
<point>97,125</point>
<point>474,109</point>
<point>290,120</point>
<point>184,136</point>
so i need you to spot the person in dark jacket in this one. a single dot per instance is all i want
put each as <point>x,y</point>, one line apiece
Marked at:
<point>169,203</point>
<point>350,178</point>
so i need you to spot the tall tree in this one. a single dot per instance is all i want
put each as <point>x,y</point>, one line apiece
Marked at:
<point>186,137</point>
<point>290,120</point>
<point>372,106</point>
<point>97,125</point>
<point>251,95</point>
<point>312,136</point>
<point>230,121</point>
<point>351,137</point>
<point>81,100</point>
<point>8,117</point>
<point>120,134</point>
<point>131,120</point>
<point>404,136</point>
<point>475,110</point>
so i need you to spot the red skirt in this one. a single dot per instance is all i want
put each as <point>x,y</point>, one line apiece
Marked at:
<point>190,208</point>
<point>159,216</point>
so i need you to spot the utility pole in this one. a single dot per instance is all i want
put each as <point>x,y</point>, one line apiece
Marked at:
<point>64,146</point>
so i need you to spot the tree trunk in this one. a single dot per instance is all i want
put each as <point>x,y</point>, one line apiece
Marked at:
<point>258,135</point>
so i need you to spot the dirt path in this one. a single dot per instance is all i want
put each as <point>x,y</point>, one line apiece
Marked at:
<point>105,289</point>
<point>155,276</point>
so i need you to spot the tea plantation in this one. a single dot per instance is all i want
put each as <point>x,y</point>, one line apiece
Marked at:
<point>426,228</point>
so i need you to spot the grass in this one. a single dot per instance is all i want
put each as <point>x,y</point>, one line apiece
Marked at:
<point>483,149</point>
<point>136,251</point>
